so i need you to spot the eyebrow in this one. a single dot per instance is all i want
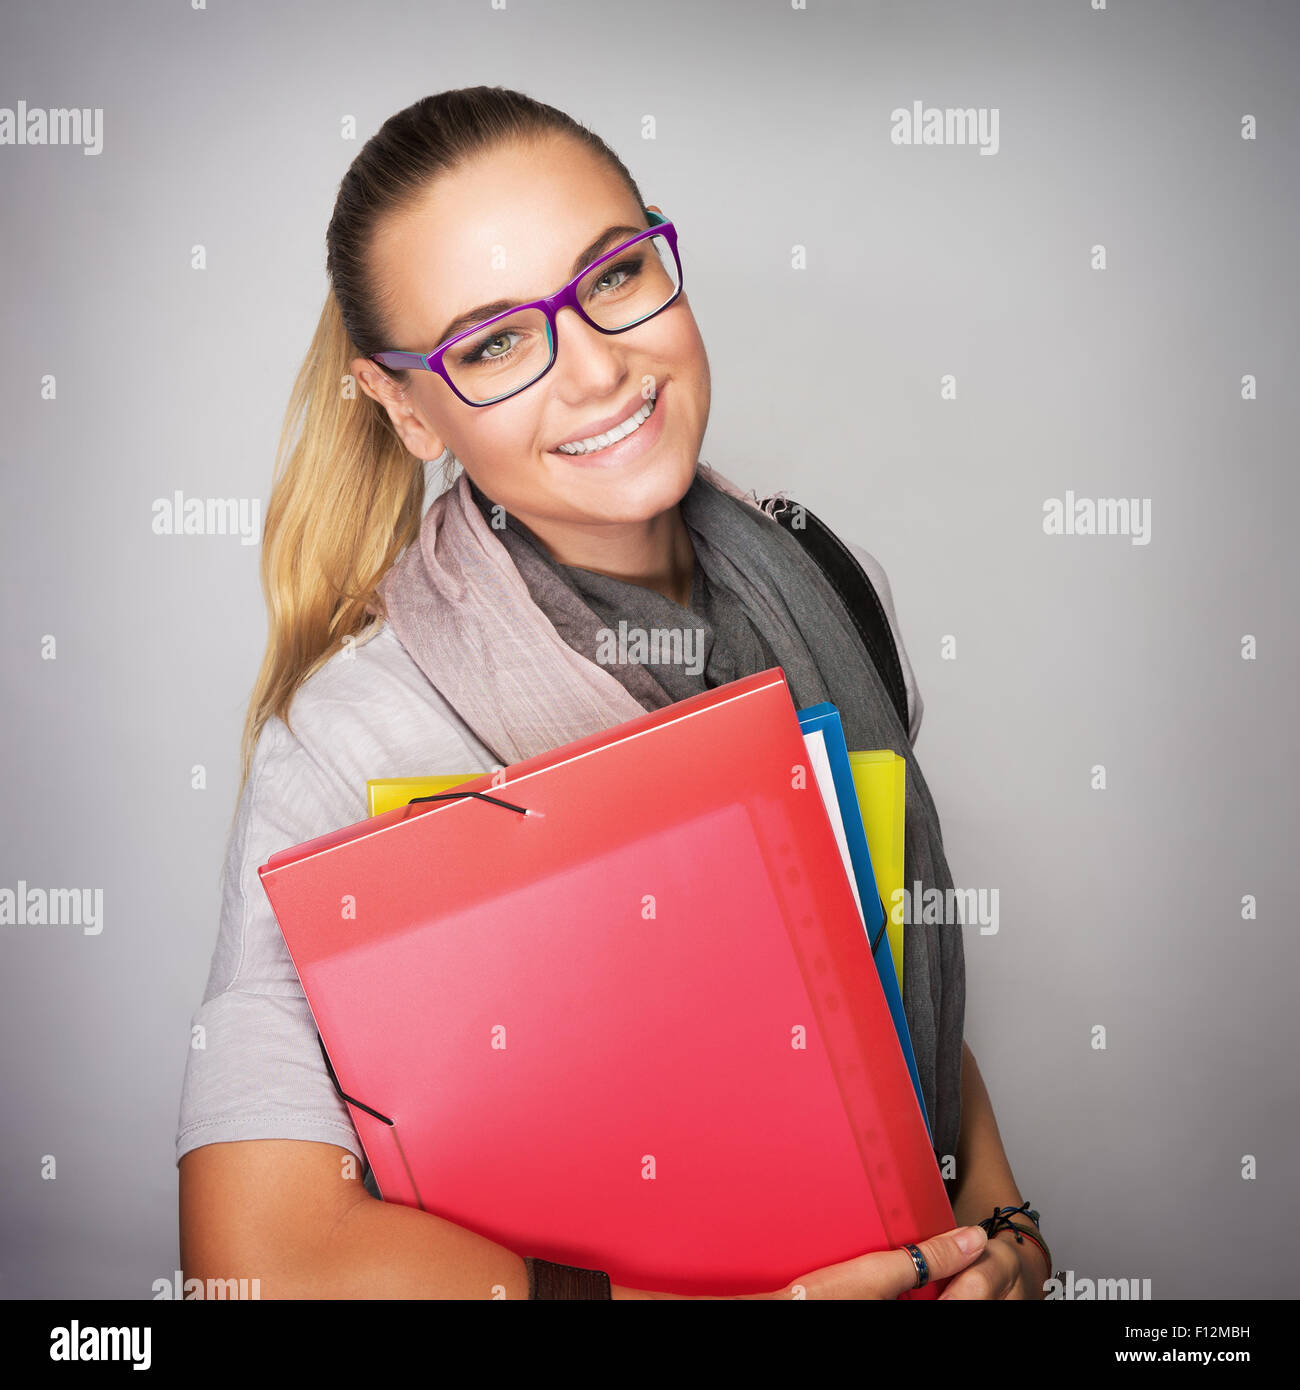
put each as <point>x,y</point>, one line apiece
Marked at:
<point>609,237</point>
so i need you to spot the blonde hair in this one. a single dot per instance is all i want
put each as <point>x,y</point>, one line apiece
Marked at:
<point>347,495</point>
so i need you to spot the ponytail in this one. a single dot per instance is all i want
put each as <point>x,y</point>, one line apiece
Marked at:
<point>347,498</point>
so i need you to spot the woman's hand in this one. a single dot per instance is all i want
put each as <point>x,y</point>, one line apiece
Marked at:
<point>1004,1269</point>
<point>888,1273</point>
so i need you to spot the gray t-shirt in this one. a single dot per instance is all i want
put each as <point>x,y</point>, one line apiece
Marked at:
<point>254,1069</point>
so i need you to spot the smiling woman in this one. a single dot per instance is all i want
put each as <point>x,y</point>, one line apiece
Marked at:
<point>503,229</point>
<point>506,300</point>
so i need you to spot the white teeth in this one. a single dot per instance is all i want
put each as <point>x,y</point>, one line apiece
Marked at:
<point>603,441</point>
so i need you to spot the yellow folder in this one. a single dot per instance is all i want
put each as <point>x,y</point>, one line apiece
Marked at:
<point>383,793</point>
<point>880,780</point>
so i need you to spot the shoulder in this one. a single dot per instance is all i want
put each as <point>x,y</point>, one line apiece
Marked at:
<point>875,571</point>
<point>370,711</point>
<point>367,712</point>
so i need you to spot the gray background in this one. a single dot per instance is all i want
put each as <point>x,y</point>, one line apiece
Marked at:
<point>1119,907</point>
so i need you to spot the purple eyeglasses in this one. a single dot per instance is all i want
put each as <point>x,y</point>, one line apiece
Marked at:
<point>651,279</point>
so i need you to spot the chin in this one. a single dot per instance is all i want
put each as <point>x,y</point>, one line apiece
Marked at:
<point>641,496</point>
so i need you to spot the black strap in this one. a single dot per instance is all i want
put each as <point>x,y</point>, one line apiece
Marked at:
<point>361,1105</point>
<point>329,1066</point>
<point>852,583</point>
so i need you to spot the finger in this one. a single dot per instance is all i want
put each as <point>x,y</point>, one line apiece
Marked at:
<point>989,1277</point>
<point>974,1283</point>
<point>944,1255</point>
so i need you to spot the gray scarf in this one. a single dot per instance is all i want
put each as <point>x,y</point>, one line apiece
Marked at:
<point>735,609</point>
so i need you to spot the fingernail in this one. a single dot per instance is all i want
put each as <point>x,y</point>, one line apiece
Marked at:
<point>970,1238</point>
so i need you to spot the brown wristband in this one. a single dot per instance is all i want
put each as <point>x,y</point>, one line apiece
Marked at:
<point>549,1280</point>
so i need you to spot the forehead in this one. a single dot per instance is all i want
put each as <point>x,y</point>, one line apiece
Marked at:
<point>505,225</point>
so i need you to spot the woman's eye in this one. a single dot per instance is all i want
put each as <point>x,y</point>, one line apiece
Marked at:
<point>484,349</point>
<point>627,269</point>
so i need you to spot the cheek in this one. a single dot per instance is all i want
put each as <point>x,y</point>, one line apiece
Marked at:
<point>677,352</point>
<point>685,342</point>
<point>507,434</point>
<point>484,436</point>
<point>690,361</point>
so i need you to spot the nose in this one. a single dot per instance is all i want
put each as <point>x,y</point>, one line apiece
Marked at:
<point>591,360</point>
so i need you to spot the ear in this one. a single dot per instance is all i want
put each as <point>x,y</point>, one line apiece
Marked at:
<point>403,411</point>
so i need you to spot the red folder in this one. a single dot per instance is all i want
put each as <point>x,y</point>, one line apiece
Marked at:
<point>639,1028</point>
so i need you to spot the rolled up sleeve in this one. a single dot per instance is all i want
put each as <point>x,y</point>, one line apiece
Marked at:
<point>254,1068</point>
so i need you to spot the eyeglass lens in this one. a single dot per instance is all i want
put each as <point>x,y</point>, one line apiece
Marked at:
<point>515,351</point>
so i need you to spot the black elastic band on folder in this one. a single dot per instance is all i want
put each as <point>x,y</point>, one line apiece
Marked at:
<point>483,796</point>
<point>883,925</point>
<point>329,1066</point>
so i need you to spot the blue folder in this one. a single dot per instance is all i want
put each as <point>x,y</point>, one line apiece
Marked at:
<point>825,719</point>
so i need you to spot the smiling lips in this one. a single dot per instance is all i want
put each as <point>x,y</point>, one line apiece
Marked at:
<point>602,433</point>
<point>603,441</point>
